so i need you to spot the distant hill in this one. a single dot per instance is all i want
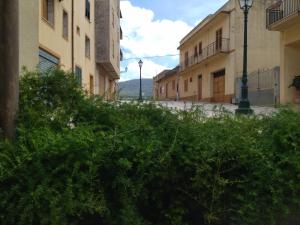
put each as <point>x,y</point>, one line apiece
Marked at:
<point>131,88</point>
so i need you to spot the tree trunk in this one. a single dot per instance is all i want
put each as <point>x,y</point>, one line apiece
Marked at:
<point>9,66</point>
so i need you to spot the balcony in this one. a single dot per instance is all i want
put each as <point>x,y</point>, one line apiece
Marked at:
<point>215,48</point>
<point>283,14</point>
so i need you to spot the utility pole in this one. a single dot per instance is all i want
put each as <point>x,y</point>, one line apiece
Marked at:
<point>9,66</point>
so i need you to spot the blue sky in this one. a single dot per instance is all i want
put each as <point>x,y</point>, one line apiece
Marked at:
<point>155,27</point>
<point>190,11</point>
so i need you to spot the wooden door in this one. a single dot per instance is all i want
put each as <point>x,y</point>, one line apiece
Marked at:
<point>219,86</point>
<point>167,90</point>
<point>199,87</point>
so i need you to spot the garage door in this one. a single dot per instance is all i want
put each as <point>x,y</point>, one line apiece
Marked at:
<point>219,86</point>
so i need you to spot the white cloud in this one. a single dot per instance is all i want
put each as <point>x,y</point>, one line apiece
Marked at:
<point>145,36</point>
<point>149,70</point>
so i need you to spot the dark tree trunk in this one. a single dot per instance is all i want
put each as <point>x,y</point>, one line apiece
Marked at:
<point>9,66</point>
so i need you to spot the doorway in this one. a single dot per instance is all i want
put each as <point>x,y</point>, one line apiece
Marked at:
<point>199,87</point>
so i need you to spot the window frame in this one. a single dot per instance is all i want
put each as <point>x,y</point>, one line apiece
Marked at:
<point>186,58</point>
<point>87,48</point>
<point>77,76</point>
<point>88,10</point>
<point>186,85</point>
<point>45,12</point>
<point>67,24</point>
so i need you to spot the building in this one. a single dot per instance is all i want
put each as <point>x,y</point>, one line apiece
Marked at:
<point>82,36</point>
<point>211,55</point>
<point>165,85</point>
<point>284,16</point>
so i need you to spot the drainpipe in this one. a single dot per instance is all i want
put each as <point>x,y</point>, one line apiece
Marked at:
<point>72,35</point>
<point>9,66</point>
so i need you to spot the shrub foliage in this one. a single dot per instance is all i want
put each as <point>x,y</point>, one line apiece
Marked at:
<point>79,160</point>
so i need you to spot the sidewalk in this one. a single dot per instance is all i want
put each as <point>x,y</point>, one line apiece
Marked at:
<point>212,108</point>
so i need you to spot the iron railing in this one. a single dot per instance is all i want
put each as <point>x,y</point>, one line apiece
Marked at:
<point>221,46</point>
<point>281,10</point>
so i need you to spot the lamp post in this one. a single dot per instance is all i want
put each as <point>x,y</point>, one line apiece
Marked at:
<point>140,65</point>
<point>244,104</point>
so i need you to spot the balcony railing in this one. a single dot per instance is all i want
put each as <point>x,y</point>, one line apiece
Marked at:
<point>221,46</point>
<point>281,10</point>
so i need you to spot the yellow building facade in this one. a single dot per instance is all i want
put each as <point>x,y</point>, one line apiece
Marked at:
<point>211,54</point>
<point>166,84</point>
<point>63,33</point>
<point>284,16</point>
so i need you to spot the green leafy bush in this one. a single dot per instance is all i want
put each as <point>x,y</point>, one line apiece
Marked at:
<point>79,160</point>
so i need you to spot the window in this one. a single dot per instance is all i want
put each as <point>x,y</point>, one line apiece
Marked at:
<point>186,85</point>
<point>78,75</point>
<point>88,9</point>
<point>219,39</point>
<point>200,48</point>
<point>48,11</point>
<point>65,25</point>
<point>113,49</point>
<point>47,61</point>
<point>186,58</point>
<point>91,84</point>
<point>78,30</point>
<point>196,51</point>
<point>87,47</point>
<point>173,84</point>
<point>191,79</point>
<point>113,17</point>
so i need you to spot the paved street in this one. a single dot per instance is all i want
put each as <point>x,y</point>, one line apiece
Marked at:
<point>211,109</point>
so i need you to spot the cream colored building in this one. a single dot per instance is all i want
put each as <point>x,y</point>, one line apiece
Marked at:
<point>77,35</point>
<point>165,85</point>
<point>211,54</point>
<point>284,16</point>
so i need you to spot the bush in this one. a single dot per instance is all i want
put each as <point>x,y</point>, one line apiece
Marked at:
<point>79,160</point>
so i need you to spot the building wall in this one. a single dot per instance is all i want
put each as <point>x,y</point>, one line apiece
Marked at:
<point>36,32</point>
<point>107,33</point>
<point>165,88</point>
<point>263,49</point>
<point>50,36</point>
<point>29,31</point>
<point>263,45</point>
<point>290,66</point>
<point>87,29</point>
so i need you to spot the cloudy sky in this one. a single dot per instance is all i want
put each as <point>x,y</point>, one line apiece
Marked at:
<point>154,28</point>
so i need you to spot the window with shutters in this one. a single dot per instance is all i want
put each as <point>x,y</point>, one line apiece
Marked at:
<point>91,84</point>
<point>48,11</point>
<point>65,25</point>
<point>88,9</point>
<point>186,85</point>
<point>87,47</point>
<point>186,58</point>
<point>219,39</point>
<point>47,61</point>
<point>196,51</point>
<point>200,48</point>
<point>78,75</point>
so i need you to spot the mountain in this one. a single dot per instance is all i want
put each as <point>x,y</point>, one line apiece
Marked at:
<point>131,88</point>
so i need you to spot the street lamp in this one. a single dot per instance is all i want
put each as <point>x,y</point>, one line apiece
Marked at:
<point>140,65</point>
<point>244,104</point>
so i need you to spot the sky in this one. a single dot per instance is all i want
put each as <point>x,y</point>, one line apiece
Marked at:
<point>155,28</point>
